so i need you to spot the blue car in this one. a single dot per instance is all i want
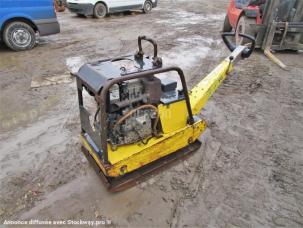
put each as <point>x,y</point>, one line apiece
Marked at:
<point>21,21</point>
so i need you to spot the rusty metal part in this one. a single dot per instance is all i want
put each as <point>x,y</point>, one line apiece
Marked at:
<point>131,179</point>
<point>157,61</point>
<point>102,100</point>
<point>127,115</point>
<point>153,89</point>
<point>121,104</point>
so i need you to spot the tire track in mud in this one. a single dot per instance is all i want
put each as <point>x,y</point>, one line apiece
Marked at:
<point>190,192</point>
<point>32,161</point>
<point>287,163</point>
<point>261,178</point>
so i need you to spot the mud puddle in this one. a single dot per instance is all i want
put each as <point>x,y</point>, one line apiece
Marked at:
<point>188,52</point>
<point>73,64</point>
<point>31,158</point>
<point>186,18</point>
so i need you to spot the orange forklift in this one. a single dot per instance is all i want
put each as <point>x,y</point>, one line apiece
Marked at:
<point>276,24</point>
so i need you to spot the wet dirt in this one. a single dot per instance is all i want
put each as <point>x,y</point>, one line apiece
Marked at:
<point>248,172</point>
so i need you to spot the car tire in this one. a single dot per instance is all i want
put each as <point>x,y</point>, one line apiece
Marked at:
<point>245,25</point>
<point>227,26</point>
<point>100,10</point>
<point>19,36</point>
<point>147,7</point>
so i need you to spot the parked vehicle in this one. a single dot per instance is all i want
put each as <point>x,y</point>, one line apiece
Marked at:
<point>100,9</point>
<point>59,5</point>
<point>21,21</point>
<point>276,24</point>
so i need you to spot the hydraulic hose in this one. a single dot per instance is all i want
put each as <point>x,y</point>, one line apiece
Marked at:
<point>130,113</point>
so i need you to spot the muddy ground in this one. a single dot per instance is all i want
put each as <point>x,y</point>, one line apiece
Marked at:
<point>248,172</point>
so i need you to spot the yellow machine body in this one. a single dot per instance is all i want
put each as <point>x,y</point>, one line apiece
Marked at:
<point>125,143</point>
<point>177,133</point>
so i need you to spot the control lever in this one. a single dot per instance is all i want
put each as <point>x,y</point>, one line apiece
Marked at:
<point>231,46</point>
<point>157,61</point>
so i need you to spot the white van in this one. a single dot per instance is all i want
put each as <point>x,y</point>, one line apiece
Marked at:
<point>100,9</point>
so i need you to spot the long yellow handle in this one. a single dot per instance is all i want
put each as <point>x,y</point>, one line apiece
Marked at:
<point>201,93</point>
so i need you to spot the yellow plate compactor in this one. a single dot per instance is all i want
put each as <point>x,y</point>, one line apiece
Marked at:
<point>141,119</point>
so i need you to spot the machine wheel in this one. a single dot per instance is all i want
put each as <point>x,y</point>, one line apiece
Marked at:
<point>245,26</point>
<point>100,10</point>
<point>19,36</point>
<point>227,26</point>
<point>148,6</point>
